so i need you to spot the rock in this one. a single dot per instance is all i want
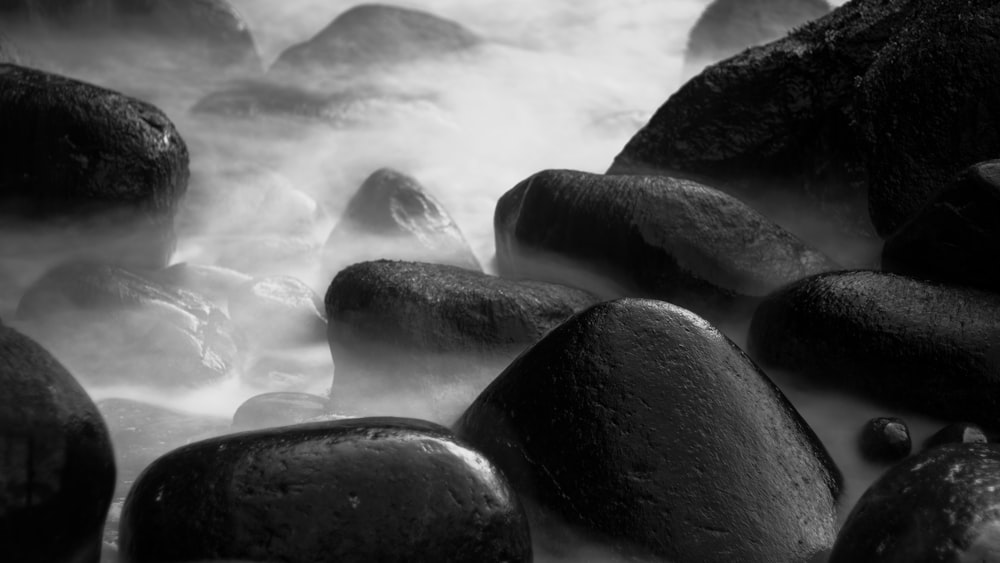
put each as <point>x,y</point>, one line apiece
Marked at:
<point>773,124</point>
<point>938,506</point>
<point>642,423</point>
<point>727,27</point>
<point>405,332</point>
<point>295,369</point>
<point>392,216</point>
<point>652,236</point>
<point>957,433</point>
<point>885,439</point>
<point>58,467</point>
<point>938,68</point>
<point>278,311</point>
<point>86,171</point>
<point>279,409</point>
<point>113,326</point>
<point>379,34</point>
<point>952,236</point>
<point>354,490</point>
<point>931,348</point>
<point>213,282</point>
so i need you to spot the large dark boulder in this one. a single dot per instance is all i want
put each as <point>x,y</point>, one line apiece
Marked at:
<point>929,347</point>
<point>58,467</point>
<point>642,423</point>
<point>955,236</point>
<point>727,27</point>
<point>927,106</point>
<point>86,170</point>
<point>392,216</point>
<point>353,490</point>
<point>379,34</point>
<point>651,236</point>
<point>401,332</point>
<point>936,507</point>
<point>114,326</point>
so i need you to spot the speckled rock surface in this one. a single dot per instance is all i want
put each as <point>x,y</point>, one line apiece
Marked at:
<point>278,311</point>
<point>936,507</point>
<point>932,348</point>
<point>640,422</point>
<point>356,490</point>
<point>58,467</point>
<point>653,236</point>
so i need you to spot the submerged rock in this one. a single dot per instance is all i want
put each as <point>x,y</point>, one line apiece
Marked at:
<point>58,467</point>
<point>652,236</point>
<point>958,433</point>
<point>643,424</point>
<point>355,490</point>
<point>936,507</point>
<point>214,282</point>
<point>885,439</point>
<point>278,311</point>
<point>931,348</point>
<point>279,409</point>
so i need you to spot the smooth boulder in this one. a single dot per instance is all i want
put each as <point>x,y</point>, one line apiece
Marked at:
<point>936,507</point>
<point>929,347</point>
<point>885,439</point>
<point>58,467</point>
<point>353,490</point>
<point>650,236</point>
<point>644,425</point>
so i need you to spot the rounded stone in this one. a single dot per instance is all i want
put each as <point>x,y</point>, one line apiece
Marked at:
<point>885,439</point>
<point>957,433</point>
<point>279,409</point>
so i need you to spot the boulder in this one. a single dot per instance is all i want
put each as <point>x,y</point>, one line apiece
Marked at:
<point>278,311</point>
<point>353,490</point>
<point>279,409</point>
<point>953,237</point>
<point>652,236</point>
<point>113,326</point>
<point>885,439</point>
<point>957,433</point>
<point>940,68</point>
<point>86,171</point>
<point>392,216</point>
<point>931,348</point>
<point>213,282</point>
<point>379,34</point>
<point>405,332</point>
<point>58,467</point>
<point>936,507</point>
<point>644,425</point>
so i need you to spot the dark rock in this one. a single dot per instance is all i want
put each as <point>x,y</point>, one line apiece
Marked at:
<point>928,347</point>
<point>953,237</point>
<point>355,490</point>
<point>87,170</point>
<point>114,326</point>
<point>392,216</point>
<point>640,422</point>
<point>958,433</point>
<point>940,70</point>
<point>279,409</point>
<point>278,311</point>
<point>379,34</point>
<point>58,467</point>
<point>885,439</point>
<point>399,331</point>
<point>213,282</point>
<point>653,236</point>
<point>938,506</point>
<point>727,27</point>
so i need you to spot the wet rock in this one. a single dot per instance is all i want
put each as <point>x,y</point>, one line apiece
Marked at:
<point>357,490</point>
<point>938,506</point>
<point>727,27</point>
<point>403,332</point>
<point>641,423</point>
<point>58,467</point>
<point>279,409</point>
<point>958,433</point>
<point>392,216</point>
<point>113,326</point>
<point>928,347</point>
<point>278,311</point>
<point>379,34</point>
<point>952,236</point>
<point>86,171</point>
<point>652,236</point>
<point>939,69</point>
<point>885,439</point>
<point>213,282</point>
